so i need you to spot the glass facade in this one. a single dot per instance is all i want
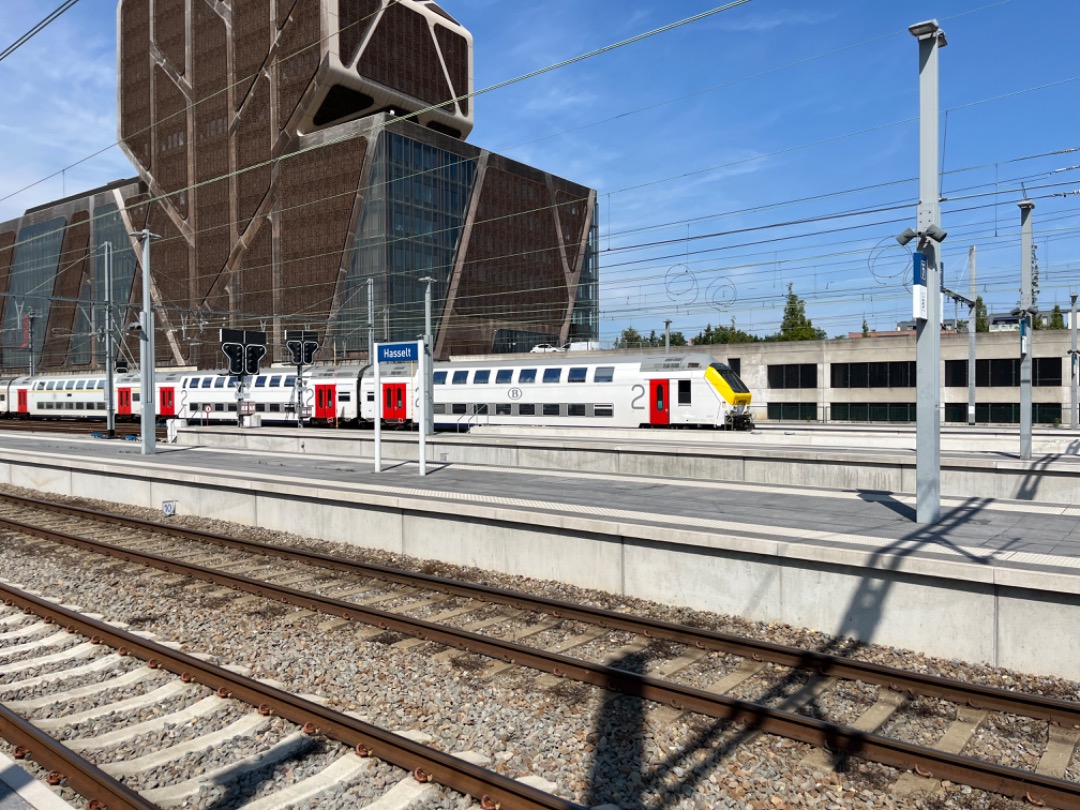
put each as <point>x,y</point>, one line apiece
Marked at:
<point>109,227</point>
<point>414,209</point>
<point>585,319</point>
<point>30,288</point>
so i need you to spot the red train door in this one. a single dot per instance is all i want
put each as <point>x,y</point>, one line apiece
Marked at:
<point>325,402</point>
<point>659,402</point>
<point>394,402</point>
<point>24,405</point>
<point>123,401</point>
<point>167,406</point>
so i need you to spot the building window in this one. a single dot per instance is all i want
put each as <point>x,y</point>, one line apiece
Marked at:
<point>873,411</point>
<point>896,374</point>
<point>793,375</point>
<point>792,411</point>
<point>1003,373</point>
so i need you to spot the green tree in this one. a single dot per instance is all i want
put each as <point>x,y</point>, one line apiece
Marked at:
<point>795,325</point>
<point>629,339</point>
<point>723,334</point>
<point>865,328</point>
<point>1057,318</point>
<point>678,339</point>
<point>982,319</point>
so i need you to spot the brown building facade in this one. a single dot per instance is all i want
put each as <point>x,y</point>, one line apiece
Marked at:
<point>298,159</point>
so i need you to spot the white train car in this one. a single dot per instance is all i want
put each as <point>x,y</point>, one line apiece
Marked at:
<point>84,396</point>
<point>686,390</point>
<point>210,397</point>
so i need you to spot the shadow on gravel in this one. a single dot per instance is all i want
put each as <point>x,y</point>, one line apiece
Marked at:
<point>619,775</point>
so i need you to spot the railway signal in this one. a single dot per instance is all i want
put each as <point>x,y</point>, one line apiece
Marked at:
<point>302,345</point>
<point>253,353</point>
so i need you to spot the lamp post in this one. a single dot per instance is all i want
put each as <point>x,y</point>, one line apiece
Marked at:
<point>110,409</point>
<point>146,353</point>
<point>1027,323</point>
<point>1072,365</point>
<point>928,321</point>
<point>428,369</point>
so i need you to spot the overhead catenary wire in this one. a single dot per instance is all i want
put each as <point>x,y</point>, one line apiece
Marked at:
<point>36,29</point>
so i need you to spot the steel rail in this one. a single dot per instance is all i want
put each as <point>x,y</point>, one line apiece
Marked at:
<point>923,761</point>
<point>982,697</point>
<point>99,789</point>
<point>491,788</point>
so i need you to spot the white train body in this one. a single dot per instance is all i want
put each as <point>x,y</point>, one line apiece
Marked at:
<point>685,390</point>
<point>625,392</point>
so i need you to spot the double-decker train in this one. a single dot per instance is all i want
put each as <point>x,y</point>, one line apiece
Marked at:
<point>685,390</point>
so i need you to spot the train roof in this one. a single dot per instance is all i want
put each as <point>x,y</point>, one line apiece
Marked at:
<point>644,362</point>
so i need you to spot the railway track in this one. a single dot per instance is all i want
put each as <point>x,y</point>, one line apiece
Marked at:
<point>130,432</point>
<point>123,678</point>
<point>658,661</point>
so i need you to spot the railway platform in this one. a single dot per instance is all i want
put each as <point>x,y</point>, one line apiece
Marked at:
<point>996,580</point>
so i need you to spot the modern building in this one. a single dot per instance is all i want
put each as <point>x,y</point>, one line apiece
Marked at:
<point>873,379</point>
<point>303,164</point>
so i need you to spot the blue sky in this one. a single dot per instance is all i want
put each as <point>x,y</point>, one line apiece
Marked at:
<point>702,142</point>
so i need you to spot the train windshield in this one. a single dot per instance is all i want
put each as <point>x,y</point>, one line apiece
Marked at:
<point>730,377</point>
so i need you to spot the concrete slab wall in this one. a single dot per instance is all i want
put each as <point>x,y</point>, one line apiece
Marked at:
<point>991,477</point>
<point>1021,619</point>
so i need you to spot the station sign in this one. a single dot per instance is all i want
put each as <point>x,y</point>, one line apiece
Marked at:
<point>399,352</point>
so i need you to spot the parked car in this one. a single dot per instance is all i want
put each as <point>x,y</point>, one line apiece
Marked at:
<point>543,348</point>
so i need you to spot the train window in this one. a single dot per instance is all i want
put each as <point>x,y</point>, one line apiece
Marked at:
<point>481,409</point>
<point>440,407</point>
<point>69,385</point>
<point>575,409</point>
<point>577,375</point>
<point>458,407</point>
<point>344,396</point>
<point>551,409</point>
<point>502,409</point>
<point>219,406</point>
<point>231,407</point>
<point>552,375</point>
<point>684,392</point>
<point>370,396</point>
<point>260,406</point>
<point>260,381</point>
<point>136,397</point>
<point>80,385</point>
<point>233,382</point>
<point>38,385</point>
<point>275,408</point>
<point>219,382</point>
<point>460,377</point>
<point>482,377</point>
<point>275,381</point>
<point>527,410</point>
<point>51,385</point>
<point>504,376</point>
<point>527,375</point>
<point>290,381</point>
<point>603,411</point>
<point>208,382</point>
<point>604,374</point>
<point>440,378</point>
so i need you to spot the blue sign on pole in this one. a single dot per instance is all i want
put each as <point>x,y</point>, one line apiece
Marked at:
<point>399,353</point>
